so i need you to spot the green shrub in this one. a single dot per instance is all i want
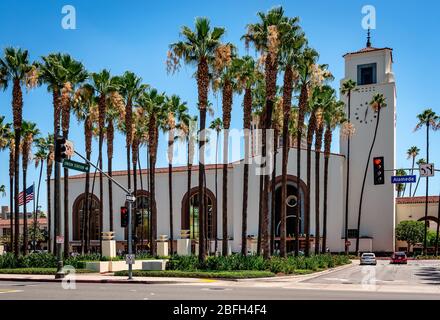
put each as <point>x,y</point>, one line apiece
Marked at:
<point>37,260</point>
<point>48,271</point>
<point>242,274</point>
<point>8,260</point>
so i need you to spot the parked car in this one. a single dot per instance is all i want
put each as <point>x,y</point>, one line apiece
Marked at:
<point>368,258</point>
<point>399,258</point>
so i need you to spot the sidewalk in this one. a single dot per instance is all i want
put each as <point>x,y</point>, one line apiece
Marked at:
<point>97,278</point>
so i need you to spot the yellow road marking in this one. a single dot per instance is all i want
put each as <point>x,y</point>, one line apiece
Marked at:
<point>9,291</point>
<point>207,280</point>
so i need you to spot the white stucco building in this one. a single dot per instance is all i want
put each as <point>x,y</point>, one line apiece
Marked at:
<point>371,69</point>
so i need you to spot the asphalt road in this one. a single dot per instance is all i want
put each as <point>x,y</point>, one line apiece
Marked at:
<point>417,280</point>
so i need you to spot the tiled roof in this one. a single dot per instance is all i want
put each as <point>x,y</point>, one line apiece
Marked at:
<point>367,49</point>
<point>6,222</point>
<point>414,200</point>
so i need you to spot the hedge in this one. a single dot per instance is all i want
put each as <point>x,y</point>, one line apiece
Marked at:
<point>242,274</point>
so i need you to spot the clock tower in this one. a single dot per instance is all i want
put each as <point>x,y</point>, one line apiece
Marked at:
<point>371,69</point>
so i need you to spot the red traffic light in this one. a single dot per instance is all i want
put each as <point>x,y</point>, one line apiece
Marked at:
<point>377,161</point>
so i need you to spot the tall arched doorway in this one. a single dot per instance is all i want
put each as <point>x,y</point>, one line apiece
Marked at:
<point>142,232</point>
<point>291,207</point>
<point>190,213</point>
<point>93,219</point>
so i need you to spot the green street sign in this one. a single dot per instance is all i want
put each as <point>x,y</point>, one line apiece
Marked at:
<point>74,165</point>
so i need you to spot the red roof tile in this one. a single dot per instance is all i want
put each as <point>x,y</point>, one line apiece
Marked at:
<point>368,49</point>
<point>6,222</point>
<point>414,200</point>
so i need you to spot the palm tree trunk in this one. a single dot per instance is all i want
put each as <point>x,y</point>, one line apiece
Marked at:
<point>273,186</point>
<point>134,225</point>
<point>11,216</point>
<point>25,226</point>
<point>49,213</point>
<point>110,138</point>
<point>225,193</point>
<point>260,215</point>
<point>57,118</point>
<point>310,133</point>
<point>347,183</point>
<point>216,195</point>
<point>66,209</point>
<point>142,188</point>
<point>17,108</point>
<point>188,204</point>
<point>247,103</point>
<point>425,244</point>
<point>317,198</point>
<point>170,194</point>
<point>417,185</point>
<point>324,226</point>
<point>363,182</point>
<point>412,172</point>
<point>287,104</point>
<point>36,209</point>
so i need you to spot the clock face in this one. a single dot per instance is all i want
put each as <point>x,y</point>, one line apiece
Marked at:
<point>364,114</point>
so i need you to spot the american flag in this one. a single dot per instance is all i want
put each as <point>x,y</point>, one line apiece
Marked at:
<point>29,195</point>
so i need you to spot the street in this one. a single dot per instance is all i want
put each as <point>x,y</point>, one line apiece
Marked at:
<point>417,280</point>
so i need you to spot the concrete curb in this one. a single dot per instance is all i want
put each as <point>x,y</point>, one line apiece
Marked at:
<point>115,281</point>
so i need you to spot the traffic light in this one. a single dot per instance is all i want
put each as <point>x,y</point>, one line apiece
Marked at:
<point>60,149</point>
<point>379,172</point>
<point>124,217</point>
<point>138,219</point>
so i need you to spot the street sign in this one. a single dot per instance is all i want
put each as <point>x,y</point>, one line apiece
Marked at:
<point>70,150</point>
<point>129,259</point>
<point>403,179</point>
<point>130,198</point>
<point>427,170</point>
<point>60,239</point>
<point>74,165</point>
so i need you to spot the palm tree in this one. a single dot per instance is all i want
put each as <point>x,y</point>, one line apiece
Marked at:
<point>3,190</point>
<point>266,36</point>
<point>86,110</point>
<point>418,163</point>
<point>412,153</point>
<point>248,74</point>
<point>217,125</point>
<point>115,113</point>
<point>152,105</point>
<point>7,141</point>
<point>16,69</point>
<point>49,164</point>
<point>332,117</point>
<point>39,158</point>
<point>198,48</point>
<point>348,87</point>
<point>175,109</point>
<point>429,119</point>
<point>226,67</point>
<point>377,103</point>
<point>130,86</point>
<point>104,85</point>
<point>29,132</point>
<point>74,74</point>
<point>400,186</point>
<point>51,73</point>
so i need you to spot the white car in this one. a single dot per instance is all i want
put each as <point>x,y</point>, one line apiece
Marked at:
<point>368,258</point>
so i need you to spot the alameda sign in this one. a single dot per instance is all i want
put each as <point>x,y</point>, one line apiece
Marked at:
<point>403,179</point>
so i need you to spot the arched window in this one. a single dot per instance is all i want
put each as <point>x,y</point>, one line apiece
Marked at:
<point>190,213</point>
<point>79,208</point>
<point>142,207</point>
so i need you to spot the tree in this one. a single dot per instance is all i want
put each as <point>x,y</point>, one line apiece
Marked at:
<point>333,116</point>
<point>291,47</point>
<point>248,74</point>
<point>104,85</point>
<point>176,108</point>
<point>39,158</point>
<point>410,231</point>
<point>198,48</point>
<point>412,153</point>
<point>152,106</point>
<point>376,103</point>
<point>16,69</point>
<point>217,125</point>
<point>430,120</point>
<point>3,190</point>
<point>266,35</point>
<point>86,110</point>
<point>29,132</point>
<point>7,141</point>
<point>226,68</point>
<point>400,187</point>
<point>347,89</point>
<point>130,86</point>
<point>74,74</point>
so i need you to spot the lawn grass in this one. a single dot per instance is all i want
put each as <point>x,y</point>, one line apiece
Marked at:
<point>45,271</point>
<point>242,274</point>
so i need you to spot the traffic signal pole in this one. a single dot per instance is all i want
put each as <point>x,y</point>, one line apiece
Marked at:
<point>130,199</point>
<point>57,207</point>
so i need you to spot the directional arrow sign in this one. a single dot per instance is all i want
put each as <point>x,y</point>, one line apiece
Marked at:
<point>403,179</point>
<point>426,170</point>
<point>74,165</point>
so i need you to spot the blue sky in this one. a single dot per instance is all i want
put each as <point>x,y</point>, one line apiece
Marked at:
<point>134,35</point>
